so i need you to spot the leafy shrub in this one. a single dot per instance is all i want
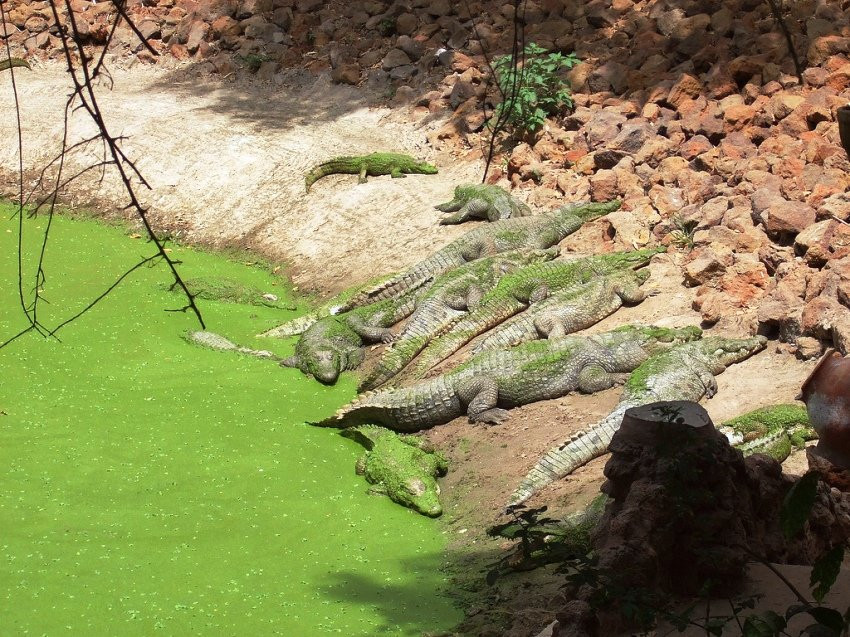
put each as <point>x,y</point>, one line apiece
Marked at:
<point>533,89</point>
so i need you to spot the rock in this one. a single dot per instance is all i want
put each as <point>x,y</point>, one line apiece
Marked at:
<point>603,127</point>
<point>736,290</point>
<point>394,58</point>
<point>406,23</point>
<point>837,206</point>
<point>346,74</point>
<point>413,48</point>
<point>225,26</point>
<point>686,87</point>
<point>611,76</point>
<point>632,137</point>
<point>603,186</point>
<point>808,348</point>
<point>695,146</point>
<point>197,33</point>
<point>782,105</point>
<point>823,241</point>
<point>705,263</point>
<point>788,218</point>
<point>825,46</point>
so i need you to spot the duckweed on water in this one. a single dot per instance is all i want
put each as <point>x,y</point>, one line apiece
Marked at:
<point>152,486</point>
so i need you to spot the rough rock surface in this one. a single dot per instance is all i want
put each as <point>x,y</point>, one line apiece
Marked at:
<point>687,507</point>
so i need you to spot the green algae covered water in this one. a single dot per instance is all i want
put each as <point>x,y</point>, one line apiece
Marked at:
<point>150,486</point>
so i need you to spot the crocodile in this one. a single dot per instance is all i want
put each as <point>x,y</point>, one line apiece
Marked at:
<point>685,372</point>
<point>335,343</point>
<point>448,299</point>
<point>772,430</point>
<point>481,201</point>
<point>394,164</point>
<point>402,467</point>
<point>216,341</point>
<point>569,310</point>
<point>539,231</point>
<point>515,292</point>
<point>539,370</point>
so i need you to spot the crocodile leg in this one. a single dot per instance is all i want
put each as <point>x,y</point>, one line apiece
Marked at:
<point>450,206</point>
<point>353,358</point>
<point>473,297</point>
<point>474,209</point>
<point>481,394</point>
<point>369,333</point>
<point>362,178</point>
<point>291,361</point>
<point>395,172</point>
<point>594,378</point>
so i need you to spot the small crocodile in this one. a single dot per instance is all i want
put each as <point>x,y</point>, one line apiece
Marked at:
<point>404,468</point>
<point>216,341</point>
<point>517,291</point>
<point>772,430</point>
<point>8,63</point>
<point>482,201</point>
<point>335,343</point>
<point>684,373</point>
<point>448,299</point>
<point>569,310</point>
<point>394,164</point>
<point>539,231</point>
<point>539,370</point>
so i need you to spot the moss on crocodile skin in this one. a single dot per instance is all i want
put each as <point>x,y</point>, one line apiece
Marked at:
<point>769,418</point>
<point>402,467</point>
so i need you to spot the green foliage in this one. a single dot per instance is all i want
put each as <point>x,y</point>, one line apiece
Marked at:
<point>386,27</point>
<point>798,504</point>
<point>825,571</point>
<point>683,234</point>
<point>533,90</point>
<point>253,61</point>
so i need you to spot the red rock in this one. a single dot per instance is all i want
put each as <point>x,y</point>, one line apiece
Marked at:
<point>666,200</point>
<point>839,80</point>
<point>654,151</point>
<point>815,76</point>
<point>225,25</point>
<point>738,116</point>
<point>788,218</point>
<point>823,241</point>
<point>686,87</point>
<point>783,104</point>
<point>823,47</point>
<point>346,74</point>
<point>738,288</point>
<point>603,186</point>
<point>704,263</point>
<point>696,145</point>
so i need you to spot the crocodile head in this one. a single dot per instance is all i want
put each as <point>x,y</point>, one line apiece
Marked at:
<point>323,364</point>
<point>423,168</point>
<point>419,493</point>
<point>587,211</point>
<point>655,338</point>
<point>721,352</point>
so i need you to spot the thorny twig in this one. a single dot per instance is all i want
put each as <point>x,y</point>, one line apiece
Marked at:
<point>83,97</point>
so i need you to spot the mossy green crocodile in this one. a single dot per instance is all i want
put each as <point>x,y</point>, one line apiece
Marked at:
<point>335,343</point>
<point>684,373</point>
<point>539,231</point>
<point>404,468</point>
<point>481,201</point>
<point>569,310</point>
<point>394,164</point>
<point>773,430</point>
<point>517,291</point>
<point>539,370</point>
<point>448,299</point>
<point>218,288</point>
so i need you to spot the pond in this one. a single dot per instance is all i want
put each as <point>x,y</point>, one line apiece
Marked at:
<point>151,486</point>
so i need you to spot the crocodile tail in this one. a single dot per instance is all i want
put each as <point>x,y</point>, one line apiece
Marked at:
<point>393,361</point>
<point>562,460</point>
<point>404,409</point>
<point>316,173</point>
<point>294,327</point>
<point>462,332</point>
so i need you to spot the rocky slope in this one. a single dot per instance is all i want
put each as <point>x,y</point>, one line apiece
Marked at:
<point>688,110</point>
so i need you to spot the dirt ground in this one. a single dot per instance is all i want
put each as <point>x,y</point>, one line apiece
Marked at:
<point>226,164</point>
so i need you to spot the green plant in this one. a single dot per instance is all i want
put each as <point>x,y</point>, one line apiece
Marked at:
<point>253,61</point>
<point>386,27</point>
<point>532,89</point>
<point>683,234</point>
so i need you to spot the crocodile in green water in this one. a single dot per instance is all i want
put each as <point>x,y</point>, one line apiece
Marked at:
<point>772,430</point>
<point>569,310</point>
<point>217,288</point>
<point>515,292</point>
<point>335,343</point>
<point>448,299</point>
<point>684,373</point>
<point>404,468</point>
<point>538,231</point>
<point>539,370</point>
<point>394,164</point>
<point>482,201</point>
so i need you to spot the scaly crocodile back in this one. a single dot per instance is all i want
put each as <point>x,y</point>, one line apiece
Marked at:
<point>404,409</point>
